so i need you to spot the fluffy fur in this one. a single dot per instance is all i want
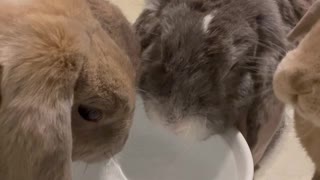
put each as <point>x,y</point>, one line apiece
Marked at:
<point>56,55</point>
<point>216,70</point>
<point>296,82</point>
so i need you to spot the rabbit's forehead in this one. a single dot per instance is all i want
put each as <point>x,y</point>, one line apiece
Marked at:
<point>107,74</point>
<point>102,85</point>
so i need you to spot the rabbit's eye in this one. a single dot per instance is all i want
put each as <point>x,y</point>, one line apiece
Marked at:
<point>90,113</point>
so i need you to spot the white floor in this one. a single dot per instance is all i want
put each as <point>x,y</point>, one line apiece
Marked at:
<point>287,161</point>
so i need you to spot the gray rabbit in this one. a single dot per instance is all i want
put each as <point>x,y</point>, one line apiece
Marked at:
<point>207,65</point>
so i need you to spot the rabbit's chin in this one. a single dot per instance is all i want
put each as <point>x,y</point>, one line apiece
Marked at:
<point>191,128</point>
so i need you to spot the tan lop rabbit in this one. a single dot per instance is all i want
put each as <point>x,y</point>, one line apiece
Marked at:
<point>67,85</point>
<point>297,82</point>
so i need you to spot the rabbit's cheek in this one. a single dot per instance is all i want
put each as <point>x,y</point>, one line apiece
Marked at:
<point>283,87</point>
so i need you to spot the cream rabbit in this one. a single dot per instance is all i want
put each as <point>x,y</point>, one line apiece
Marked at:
<point>297,79</point>
<point>68,85</point>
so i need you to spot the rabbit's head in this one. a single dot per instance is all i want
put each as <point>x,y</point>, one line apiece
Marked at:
<point>101,93</point>
<point>297,79</point>
<point>104,101</point>
<point>105,91</point>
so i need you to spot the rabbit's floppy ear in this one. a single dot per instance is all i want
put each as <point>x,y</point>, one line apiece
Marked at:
<point>41,59</point>
<point>120,31</point>
<point>306,23</point>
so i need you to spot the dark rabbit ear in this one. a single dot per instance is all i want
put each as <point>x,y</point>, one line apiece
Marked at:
<point>306,23</point>
<point>154,5</point>
<point>147,27</point>
<point>41,60</point>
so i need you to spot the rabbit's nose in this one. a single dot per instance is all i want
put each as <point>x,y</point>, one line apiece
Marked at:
<point>290,82</point>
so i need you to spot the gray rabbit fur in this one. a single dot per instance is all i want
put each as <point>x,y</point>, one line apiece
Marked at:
<point>207,65</point>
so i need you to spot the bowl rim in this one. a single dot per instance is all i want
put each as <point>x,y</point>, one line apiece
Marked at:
<point>242,153</point>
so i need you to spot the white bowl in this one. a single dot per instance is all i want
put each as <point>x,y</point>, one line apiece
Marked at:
<point>154,153</point>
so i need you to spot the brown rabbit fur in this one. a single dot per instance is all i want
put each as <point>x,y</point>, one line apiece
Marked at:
<point>56,55</point>
<point>296,82</point>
